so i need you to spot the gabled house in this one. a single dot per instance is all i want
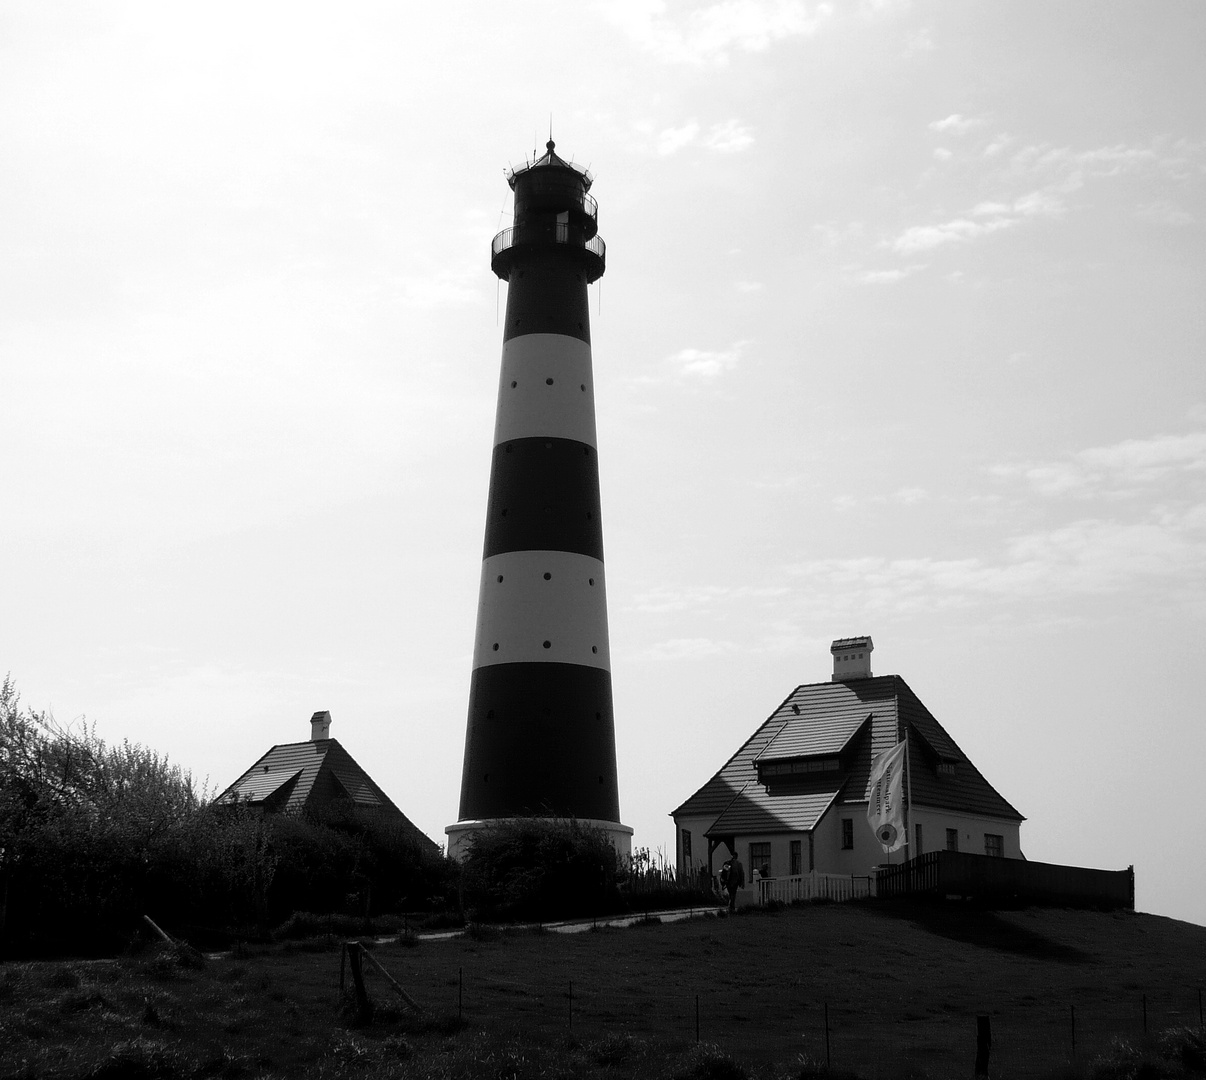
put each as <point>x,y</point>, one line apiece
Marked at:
<point>313,777</point>
<point>793,798</point>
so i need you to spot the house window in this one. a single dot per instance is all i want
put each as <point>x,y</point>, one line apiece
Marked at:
<point>920,849</point>
<point>952,839</point>
<point>847,834</point>
<point>760,859</point>
<point>686,847</point>
<point>994,845</point>
<point>797,858</point>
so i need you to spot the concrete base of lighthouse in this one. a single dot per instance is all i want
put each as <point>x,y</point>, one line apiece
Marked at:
<point>459,833</point>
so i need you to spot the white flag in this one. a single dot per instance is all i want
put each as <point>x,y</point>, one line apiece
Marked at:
<point>885,807</point>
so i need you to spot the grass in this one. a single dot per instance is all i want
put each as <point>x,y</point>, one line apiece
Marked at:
<point>901,985</point>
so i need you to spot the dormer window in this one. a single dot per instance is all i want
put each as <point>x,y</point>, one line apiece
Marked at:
<point>800,766</point>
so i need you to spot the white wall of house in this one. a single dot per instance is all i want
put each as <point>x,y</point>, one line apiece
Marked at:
<point>972,830</point>
<point>780,843</point>
<point>830,856</point>
<point>699,844</point>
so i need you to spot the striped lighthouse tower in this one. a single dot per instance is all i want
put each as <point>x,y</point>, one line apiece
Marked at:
<point>541,735</point>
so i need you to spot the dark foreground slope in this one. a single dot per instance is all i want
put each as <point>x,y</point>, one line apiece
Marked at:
<point>901,985</point>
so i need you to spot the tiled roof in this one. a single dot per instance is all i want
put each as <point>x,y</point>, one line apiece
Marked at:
<point>860,717</point>
<point>754,811</point>
<point>297,776</point>
<point>260,787</point>
<point>822,734</point>
<point>964,788</point>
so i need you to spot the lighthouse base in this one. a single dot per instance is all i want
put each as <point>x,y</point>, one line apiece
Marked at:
<point>460,833</point>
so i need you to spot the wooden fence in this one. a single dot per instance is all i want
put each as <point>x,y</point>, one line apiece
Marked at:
<point>814,886</point>
<point>983,877</point>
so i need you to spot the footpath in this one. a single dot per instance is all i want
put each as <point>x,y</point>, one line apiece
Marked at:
<point>577,926</point>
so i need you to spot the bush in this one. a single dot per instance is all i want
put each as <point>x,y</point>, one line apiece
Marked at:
<point>538,869</point>
<point>1176,1053</point>
<point>93,837</point>
<point>711,1063</point>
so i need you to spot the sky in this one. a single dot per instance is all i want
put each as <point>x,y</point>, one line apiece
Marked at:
<point>902,334</point>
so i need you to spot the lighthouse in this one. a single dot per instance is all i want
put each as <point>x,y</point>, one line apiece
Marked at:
<point>540,738</point>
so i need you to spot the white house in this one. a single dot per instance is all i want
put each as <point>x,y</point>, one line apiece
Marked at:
<point>793,798</point>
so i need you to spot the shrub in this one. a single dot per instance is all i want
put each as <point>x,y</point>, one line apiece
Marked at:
<point>1185,1045</point>
<point>93,837</point>
<point>540,869</point>
<point>711,1063</point>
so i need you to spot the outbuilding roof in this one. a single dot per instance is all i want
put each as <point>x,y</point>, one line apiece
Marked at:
<point>308,775</point>
<point>854,719</point>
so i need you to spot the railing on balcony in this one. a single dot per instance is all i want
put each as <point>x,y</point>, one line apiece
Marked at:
<point>557,232</point>
<point>560,233</point>
<point>814,886</point>
<point>555,193</point>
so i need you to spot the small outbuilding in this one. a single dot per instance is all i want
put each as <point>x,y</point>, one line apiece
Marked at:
<point>315,776</point>
<point>793,799</point>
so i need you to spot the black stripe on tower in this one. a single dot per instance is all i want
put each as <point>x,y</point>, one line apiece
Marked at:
<point>541,741</point>
<point>544,496</point>
<point>546,294</point>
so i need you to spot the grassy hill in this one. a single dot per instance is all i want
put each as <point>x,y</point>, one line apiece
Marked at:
<point>901,984</point>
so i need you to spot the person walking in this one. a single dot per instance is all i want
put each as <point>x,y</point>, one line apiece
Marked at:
<point>736,880</point>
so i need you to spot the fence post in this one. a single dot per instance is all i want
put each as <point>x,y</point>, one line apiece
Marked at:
<point>983,1044</point>
<point>1144,1014</point>
<point>827,1062</point>
<point>1072,1008</point>
<point>1201,1026</point>
<point>571,1004</point>
<point>697,1018</point>
<point>364,1009</point>
<point>460,994</point>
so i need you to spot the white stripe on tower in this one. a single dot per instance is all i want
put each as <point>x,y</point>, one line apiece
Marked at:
<point>528,598</point>
<point>546,387</point>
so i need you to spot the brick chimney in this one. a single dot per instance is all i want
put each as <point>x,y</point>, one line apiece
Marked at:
<point>851,658</point>
<point>320,726</point>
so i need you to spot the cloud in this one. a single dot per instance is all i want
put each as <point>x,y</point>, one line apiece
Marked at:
<point>921,41</point>
<point>1164,212</point>
<point>726,137</point>
<point>1160,157</point>
<point>687,649</point>
<point>955,124</point>
<point>729,137</point>
<point>445,288</point>
<point>889,277</point>
<point>1114,471</point>
<point>983,219</point>
<point>925,237</point>
<point>1091,556</point>
<point>712,33</point>
<point>663,600</point>
<point>706,365</point>
<point>1153,547</point>
<point>748,286</point>
<point>999,143</point>
<point>671,140</point>
<point>1051,174</point>
<point>832,236</point>
<point>905,496</point>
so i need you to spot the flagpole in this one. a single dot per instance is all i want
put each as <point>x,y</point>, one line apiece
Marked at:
<point>909,794</point>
